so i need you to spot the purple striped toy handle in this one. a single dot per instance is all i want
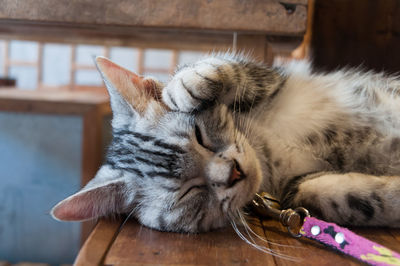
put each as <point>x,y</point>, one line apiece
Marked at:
<point>347,242</point>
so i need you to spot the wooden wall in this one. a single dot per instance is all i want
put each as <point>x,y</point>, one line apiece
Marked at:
<point>355,32</point>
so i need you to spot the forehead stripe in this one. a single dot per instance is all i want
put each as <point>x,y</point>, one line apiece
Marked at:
<point>171,147</point>
<point>119,152</point>
<point>142,137</point>
<point>132,170</point>
<point>121,132</point>
<point>142,150</point>
<point>138,159</point>
<point>164,165</point>
<point>125,132</point>
<point>156,142</point>
<point>129,169</point>
<point>157,153</point>
<point>161,174</point>
<point>125,163</point>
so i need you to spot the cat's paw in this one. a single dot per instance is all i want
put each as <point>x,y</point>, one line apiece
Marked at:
<point>311,202</point>
<point>193,88</point>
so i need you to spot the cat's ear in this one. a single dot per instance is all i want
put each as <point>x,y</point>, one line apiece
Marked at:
<point>90,203</point>
<point>128,91</point>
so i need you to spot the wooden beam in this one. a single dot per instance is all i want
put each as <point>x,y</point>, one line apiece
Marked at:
<point>6,58</point>
<point>39,65</point>
<point>140,61</point>
<point>22,63</point>
<point>106,51</point>
<point>158,70</point>
<point>72,69</point>
<point>83,67</point>
<point>174,61</point>
<point>273,17</point>
<point>118,36</point>
<point>255,45</point>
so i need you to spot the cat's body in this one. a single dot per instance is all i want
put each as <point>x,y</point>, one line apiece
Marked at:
<point>227,127</point>
<point>342,122</point>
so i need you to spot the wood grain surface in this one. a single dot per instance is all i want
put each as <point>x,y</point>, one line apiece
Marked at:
<point>98,243</point>
<point>138,245</point>
<point>273,17</point>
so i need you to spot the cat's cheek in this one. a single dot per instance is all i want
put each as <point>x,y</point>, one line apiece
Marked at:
<point>245,190</point>
<point>254,173</point>
<point>253,183</point>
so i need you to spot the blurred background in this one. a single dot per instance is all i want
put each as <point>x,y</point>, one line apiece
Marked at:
<point>54,110</point>
<point>41,154</point>
<point>42,65</point>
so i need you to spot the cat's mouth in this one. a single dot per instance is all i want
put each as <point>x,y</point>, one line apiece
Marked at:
<point>236,175</point>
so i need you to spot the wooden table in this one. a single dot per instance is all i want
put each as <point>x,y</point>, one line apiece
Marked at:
<point>134,244</point>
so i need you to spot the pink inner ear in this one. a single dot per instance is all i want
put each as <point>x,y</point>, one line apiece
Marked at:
<point>118,75</point>
<point>138,91</point>
<point>92,203</point>
<point>76,208</point>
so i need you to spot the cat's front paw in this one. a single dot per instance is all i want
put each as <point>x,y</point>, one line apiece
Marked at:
<point>193,88</point>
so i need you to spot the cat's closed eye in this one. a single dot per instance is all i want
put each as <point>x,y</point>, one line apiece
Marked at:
<point>199,138</point>
<point>194,189</point>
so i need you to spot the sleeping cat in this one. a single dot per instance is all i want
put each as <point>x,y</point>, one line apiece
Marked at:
<point>186,157</point>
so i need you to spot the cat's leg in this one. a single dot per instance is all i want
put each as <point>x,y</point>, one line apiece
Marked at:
<point>230,80</point>
<point>347,199</point>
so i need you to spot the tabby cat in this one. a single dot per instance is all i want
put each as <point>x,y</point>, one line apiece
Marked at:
<point>187,156</point>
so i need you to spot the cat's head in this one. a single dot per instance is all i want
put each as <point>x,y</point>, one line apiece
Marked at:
<point>173,171</point>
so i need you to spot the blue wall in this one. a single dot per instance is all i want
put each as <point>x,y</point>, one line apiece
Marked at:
<point>40,163</point>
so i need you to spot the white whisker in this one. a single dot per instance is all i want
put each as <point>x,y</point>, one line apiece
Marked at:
<point>259,247</point>
<point>248,228</point>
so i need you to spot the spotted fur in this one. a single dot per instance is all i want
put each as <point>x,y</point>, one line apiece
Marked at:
<point>188,155</point>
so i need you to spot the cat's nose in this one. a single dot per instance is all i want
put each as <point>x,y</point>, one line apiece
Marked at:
<point>236,174</point>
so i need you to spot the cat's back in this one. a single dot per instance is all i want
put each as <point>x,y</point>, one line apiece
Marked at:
<point>371,98</point>
<point>372,102</point>
<point>347,118</point>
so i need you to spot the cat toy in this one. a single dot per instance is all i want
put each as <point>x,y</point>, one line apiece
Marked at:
<point>299,223</point>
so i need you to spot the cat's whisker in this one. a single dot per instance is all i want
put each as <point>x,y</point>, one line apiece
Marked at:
<point>249,127</point>
<point>259,247</point>
<point>233,216</point>
<point>248,228</point>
